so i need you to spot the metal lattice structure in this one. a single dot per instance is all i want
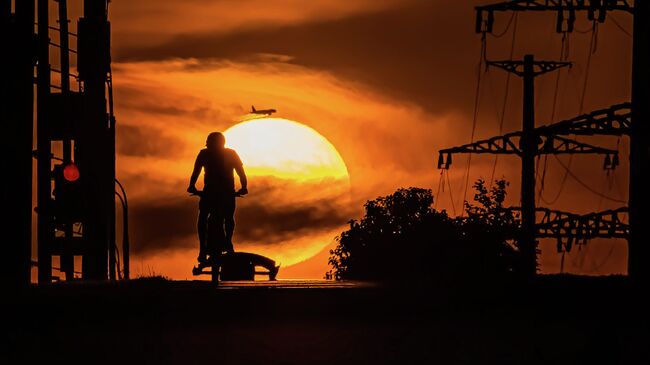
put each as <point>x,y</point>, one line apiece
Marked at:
<point>510,144</point>
<point>626,119</point>
<point>613,121</point>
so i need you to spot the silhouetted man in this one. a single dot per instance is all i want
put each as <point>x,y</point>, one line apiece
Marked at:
<point>216,221</point>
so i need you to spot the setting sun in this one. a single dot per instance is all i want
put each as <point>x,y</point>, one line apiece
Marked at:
<point>285,149</point>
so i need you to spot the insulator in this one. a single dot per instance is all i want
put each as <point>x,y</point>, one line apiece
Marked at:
<point>559,245</point>
<point>441,161</point>
<point>608,162</point>
<point>602,15</point>
<point>571,21</point>
<point>490,22</point>
<point>559,25</point>
<point>569,243</point>
<point>615,161</point>
<point>590,11</point>
<point>479,21</point>
<point>448,160</point>
<point>548,144</point>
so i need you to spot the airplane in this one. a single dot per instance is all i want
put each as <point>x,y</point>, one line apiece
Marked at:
<point>264,112</point>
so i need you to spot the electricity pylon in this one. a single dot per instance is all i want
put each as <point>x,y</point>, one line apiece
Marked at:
<point>625,119</point>
<point>528,144</point>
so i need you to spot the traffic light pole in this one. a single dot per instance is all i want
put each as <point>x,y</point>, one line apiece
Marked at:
<point>96,152</point>
<point>67,258</point>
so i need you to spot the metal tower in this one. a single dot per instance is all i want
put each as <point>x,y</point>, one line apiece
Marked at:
<point>624,119</point>
<point>16,115</point>
<point>528,144</point>
<point>76,214</point>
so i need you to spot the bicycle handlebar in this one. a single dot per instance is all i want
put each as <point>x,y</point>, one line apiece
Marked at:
<point>199,193</point>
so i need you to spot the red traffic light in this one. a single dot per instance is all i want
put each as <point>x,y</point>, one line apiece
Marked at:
<point>71,172</point>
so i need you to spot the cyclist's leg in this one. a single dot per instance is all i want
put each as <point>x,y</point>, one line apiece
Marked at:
<point>216,234</point>
<point>202,226</point>
<point>229,223</point>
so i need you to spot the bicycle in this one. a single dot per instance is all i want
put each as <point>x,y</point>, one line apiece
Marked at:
<point>234,265</point>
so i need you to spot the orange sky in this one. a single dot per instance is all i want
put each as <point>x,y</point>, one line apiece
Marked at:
<point>388,83</point>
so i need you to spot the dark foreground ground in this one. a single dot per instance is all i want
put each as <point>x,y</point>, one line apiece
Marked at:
<point>556,320</point>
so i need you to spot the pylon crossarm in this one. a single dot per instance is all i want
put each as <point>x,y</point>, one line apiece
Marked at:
<point>576,228</point>
<point>506,144</point>
<point>613,121</point>
<point>517,67</point>
<point>566,9</point>
<point>509,144</point>
<point>568,227</point>
<point>568,5</point>
<point>556,145</point>
<point>545,215</point>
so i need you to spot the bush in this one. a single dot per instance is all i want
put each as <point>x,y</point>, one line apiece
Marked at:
<point>401,237</point>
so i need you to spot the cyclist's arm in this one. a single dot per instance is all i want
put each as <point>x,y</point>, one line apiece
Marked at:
<point>242,176</point>
<point>198,164</point>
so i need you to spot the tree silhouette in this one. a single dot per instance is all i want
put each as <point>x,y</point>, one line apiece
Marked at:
<point>402,237</point>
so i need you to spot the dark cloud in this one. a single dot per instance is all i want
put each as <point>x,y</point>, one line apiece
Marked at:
<point>145,99</point>
<point>272,224</point>
<point>262,218</point>
<point>372,48</point>
<point>160,226</point>
<point>142,141</point>
<point>425,53</point>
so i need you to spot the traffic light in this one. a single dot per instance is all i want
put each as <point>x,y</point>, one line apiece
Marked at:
<point>68,197</point>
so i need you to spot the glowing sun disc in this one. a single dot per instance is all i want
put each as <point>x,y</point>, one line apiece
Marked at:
<point>285,149</point>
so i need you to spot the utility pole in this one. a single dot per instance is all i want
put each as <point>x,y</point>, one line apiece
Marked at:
<point>639,197</point>
<point>528,69</point>
<point>528,243</point>
<point>45,229</point>
<point>639,200</point>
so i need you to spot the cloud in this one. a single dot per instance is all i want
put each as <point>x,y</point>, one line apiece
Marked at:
<point>146,141</point>
<point>226,90</point>
<point>269,216</point>
<point>388,85</point>
<point>394,50</point>
<point>145,18</point>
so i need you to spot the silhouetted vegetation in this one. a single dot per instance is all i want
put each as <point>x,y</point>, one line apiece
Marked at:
<point>402,237</point>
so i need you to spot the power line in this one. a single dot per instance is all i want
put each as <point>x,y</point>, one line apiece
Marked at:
<point>592,50</point>
<point>505,96</point>
<point>512,17</point>
<point>451,197</point>
<point>477,98</point>
<point>564,51</point>
<point>584,185</point>
<point>437,197</point>
<point>620,27</point>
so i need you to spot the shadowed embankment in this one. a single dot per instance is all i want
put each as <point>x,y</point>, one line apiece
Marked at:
<point>556,320</point>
